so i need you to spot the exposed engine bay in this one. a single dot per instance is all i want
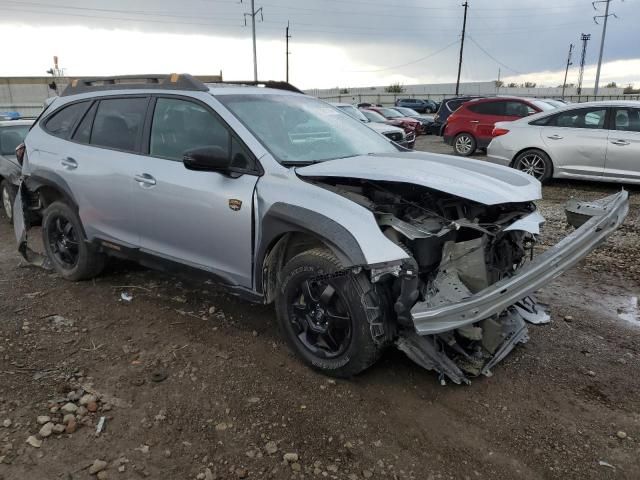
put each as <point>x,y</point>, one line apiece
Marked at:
<point>456,248</point>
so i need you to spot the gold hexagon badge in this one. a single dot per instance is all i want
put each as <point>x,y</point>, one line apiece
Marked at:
<point>235,204</point>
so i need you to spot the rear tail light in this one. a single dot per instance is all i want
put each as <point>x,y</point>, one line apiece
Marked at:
<point>20,151</point>
<point>499,131</point>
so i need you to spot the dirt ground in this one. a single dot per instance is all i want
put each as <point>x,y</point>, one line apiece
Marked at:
<point>194,383</point>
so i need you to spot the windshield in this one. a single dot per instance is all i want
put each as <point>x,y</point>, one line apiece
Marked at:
<point>299,129</point>
<point>544,105</point>
<point>354,112</point>
<point>409,112</point>
<point>390,113</point>
<point>11,137</point>
<point>374,116</point>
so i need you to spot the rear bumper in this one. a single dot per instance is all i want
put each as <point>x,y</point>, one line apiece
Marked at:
<point>539,272</point>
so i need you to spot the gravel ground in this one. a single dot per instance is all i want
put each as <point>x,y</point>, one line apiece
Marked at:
<point>193,383</point>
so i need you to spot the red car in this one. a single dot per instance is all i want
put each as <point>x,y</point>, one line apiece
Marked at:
<point>471,126</point>
<point>410,125</point>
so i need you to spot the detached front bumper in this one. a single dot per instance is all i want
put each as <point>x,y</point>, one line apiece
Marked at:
<point>612,210</point>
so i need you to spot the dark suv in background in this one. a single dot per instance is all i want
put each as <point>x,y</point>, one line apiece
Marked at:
<point>420,106</point>
<point>447,107</point>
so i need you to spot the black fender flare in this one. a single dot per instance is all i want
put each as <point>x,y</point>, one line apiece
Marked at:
<point>282,218</point>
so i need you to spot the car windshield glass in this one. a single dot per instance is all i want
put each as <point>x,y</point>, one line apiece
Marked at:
<point>354,112</point>
<point>390,113</point>
<point>373,116</point>
<point>407,111</point>
<point>11,137</point>
<point>299,129</point>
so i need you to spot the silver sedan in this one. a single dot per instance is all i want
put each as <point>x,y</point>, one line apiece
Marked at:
<point>589,141</point>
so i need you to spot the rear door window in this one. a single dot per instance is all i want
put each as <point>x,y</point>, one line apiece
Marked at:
<point>488,108</point>
<point>61,123</point>
<point>118,123</point>
<point>83,132</point>
<point>580,118</point>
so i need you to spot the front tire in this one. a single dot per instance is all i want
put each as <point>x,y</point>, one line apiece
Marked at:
<point>62,235</point>
<point>328,321</point>
<point>536,163</point>
<point>8,195</point>
<point>464,144</point>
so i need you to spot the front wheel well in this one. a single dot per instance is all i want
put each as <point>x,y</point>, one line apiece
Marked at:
<point>281,250</point>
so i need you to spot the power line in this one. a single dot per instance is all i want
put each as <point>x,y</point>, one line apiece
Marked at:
<point>604,33</point>
<point>464,28</point>
<point>408,63</point>
<point>492,57</point>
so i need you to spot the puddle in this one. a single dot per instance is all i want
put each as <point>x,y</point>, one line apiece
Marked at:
<point>629,311</point>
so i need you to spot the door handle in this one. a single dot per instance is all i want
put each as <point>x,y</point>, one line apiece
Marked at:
<point>69,163</point>
<point>474,121</point>
<point>144,179</point>
<point>555,137</point>
<point>622,143</point>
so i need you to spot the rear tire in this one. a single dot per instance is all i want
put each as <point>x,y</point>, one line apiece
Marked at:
<point>536,163</point>
<point>63,238</point>
<point>328,322</point>
<point>8,195</point>
<point>464,144</point>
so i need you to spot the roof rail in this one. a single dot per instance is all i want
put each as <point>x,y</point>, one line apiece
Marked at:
<point>173,81</point>
<point>277,84</point>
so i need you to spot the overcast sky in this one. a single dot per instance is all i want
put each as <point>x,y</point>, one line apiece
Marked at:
<point>334,42</point>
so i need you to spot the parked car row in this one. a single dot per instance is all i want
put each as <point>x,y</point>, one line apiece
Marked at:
<point>420,106</point>
<point>12,134</point>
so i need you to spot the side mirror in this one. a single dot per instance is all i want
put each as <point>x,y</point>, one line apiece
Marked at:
<point>207,159</point>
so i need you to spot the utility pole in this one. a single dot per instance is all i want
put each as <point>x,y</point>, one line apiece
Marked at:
<point>566,72</point>
<point>498,82</point>
<point>253,14</point>
<point>287,37</point>
<point>585,37</point>
<point>464,28</point>
<point>604,33</point>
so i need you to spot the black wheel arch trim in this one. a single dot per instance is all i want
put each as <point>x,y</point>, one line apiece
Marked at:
<point>282,218</point>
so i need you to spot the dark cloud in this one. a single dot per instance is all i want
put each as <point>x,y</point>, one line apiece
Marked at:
<point>517,37</point>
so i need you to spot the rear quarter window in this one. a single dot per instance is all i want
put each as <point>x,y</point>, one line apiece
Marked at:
<point>62,121</point>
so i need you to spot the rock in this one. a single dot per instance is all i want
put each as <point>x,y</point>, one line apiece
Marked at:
<point>82,411</point>
<point>34,442</point>
<point>102,475</point>
<point>255,333</point>
<point>54,409</point>
<point>367,473</point>
<point>58,428</point>
<point>200,476</point>
<point>332,468</point>
<point>377,443</point>
<point>290,457</point>
<point>221,427</point>
<point>591,373</point>
<point>241,473</point>
<point>6,423</point>
<point>296,467</point>
<point>42,419</point>
<point>69,408</point>
<point>253,400</point>
<point>73,396</point>
<point>92,407</point>
<point>352,476</point>
<point>46,430</point>
<point>72,426</point>
<point>271,447</point>
<point>167,453</point>
<point>68,417</point>
<point>98,466</point>
<point>568,318</point>
<point>621,435</point>
<point>208,474</point>
<point>122,468</point>
<point>85,399</point>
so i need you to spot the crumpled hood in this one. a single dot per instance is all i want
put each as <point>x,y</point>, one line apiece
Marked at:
<point>475,180</point>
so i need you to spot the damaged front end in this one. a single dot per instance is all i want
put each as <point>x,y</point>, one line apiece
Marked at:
<point>464,295</point>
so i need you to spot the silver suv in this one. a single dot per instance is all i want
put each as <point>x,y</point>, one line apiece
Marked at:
<point>283,198</point>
